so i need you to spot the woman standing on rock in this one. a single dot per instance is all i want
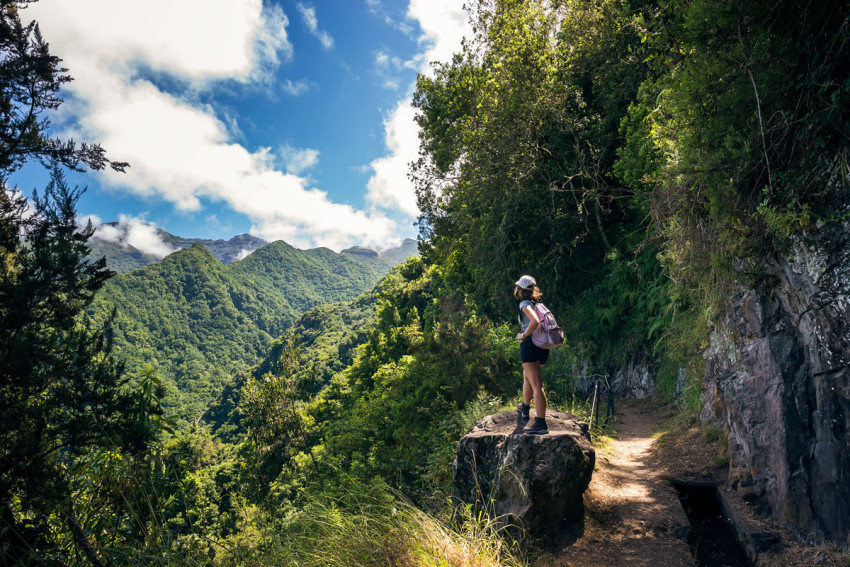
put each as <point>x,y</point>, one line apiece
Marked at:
<point>532,356</point>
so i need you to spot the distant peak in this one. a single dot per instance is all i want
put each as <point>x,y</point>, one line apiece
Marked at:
<point>243,239</point>
<point>360,251</point>
<point>196,248</point>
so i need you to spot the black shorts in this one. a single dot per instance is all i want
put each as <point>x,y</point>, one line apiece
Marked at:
<point>530,352</point>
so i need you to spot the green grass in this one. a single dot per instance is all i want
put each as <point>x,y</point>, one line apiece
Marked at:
<point>374,527</point>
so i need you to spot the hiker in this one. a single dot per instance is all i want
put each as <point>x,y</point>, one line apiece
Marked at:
<point>532,356</point>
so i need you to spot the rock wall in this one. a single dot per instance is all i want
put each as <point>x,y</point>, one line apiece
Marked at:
<point>634,380</point>
<point>778,382</point>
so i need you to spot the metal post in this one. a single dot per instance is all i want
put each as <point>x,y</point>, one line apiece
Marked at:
<point>597,402</point>
<point>593,405</point>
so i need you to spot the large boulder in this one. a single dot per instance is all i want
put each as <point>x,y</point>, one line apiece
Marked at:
<point>532,484</point>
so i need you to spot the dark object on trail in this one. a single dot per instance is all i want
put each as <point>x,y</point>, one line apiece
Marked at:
<point>712,538</point>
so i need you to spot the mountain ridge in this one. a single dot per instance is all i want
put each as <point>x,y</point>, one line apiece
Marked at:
<point>123,257</point>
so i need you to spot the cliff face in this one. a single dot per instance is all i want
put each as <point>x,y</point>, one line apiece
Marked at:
<point>778,382</point>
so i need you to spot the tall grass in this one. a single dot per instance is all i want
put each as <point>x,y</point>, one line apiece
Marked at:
<point>371,526</point>
<point>367,526</point>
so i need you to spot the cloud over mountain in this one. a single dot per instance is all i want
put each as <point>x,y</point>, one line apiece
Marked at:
<point>135,232</point>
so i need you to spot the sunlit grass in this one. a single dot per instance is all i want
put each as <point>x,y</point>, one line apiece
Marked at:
<point>375,528</point>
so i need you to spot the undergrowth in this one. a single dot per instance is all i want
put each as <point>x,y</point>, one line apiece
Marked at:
<point>375,526</point>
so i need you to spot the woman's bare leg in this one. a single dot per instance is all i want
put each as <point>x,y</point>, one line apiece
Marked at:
<point>532,377</point>
<point>527,390</point>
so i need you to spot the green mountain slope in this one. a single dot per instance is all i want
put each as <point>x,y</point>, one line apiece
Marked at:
<point>121,259</point>
<point>326,336</point>
<point>200,321</point>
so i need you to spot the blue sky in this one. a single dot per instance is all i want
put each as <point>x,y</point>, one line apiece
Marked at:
<point>286,119</point>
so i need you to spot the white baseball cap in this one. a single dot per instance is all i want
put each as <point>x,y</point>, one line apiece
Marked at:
<point>526,282</point>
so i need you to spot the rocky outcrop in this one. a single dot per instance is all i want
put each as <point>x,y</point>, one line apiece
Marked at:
<point>633,380</point>
<point>534,482</point>
<point>778,382</point>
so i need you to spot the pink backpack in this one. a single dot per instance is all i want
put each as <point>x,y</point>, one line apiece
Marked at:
<point>548,334</point>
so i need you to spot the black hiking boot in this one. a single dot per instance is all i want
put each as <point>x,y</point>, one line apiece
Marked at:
<point>522,412</point>
<point>539,427</point>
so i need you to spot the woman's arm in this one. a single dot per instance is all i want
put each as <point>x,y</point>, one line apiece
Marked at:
<point>533,322</point>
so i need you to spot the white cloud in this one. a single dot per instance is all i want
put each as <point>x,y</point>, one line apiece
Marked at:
<point>389,185</point>
<point>236,40</point>
<point>135,232</point>
<point>387,67</point>
<point>308,12</point>
<point>178,149</point>
<point>295,88</point>
<point>376,8</point>
<point>444,24</point>
<point>195,160</point>
<point>296,161</point>
<point>243,253</point>
<point>216,226</point>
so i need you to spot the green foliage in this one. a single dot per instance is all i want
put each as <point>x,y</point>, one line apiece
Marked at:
<point>680,352</point>
<point>424,360</point>
<point>274,428</point>
<point>180,503</point>
<point>626,312</point>
<point>64,396</point>
<point>330,334</point>
<point>327,336</point>
<point>747,121</point>
<point>535,159</point>
<point>443,439</point>
<point>519,139</point>
<point>201,322</point>
<point>372,525</point>
<point>634,156</point>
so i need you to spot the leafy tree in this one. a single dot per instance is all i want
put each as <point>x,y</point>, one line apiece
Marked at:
<point>274,429</point>
<point>429,353</point>
<point>520,171</point>
<point>63,395</point>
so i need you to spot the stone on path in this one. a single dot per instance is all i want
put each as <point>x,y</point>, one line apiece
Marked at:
<point>532,481</point>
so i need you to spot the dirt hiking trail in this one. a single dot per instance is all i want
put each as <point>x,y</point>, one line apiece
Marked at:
<point>632,514</point>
